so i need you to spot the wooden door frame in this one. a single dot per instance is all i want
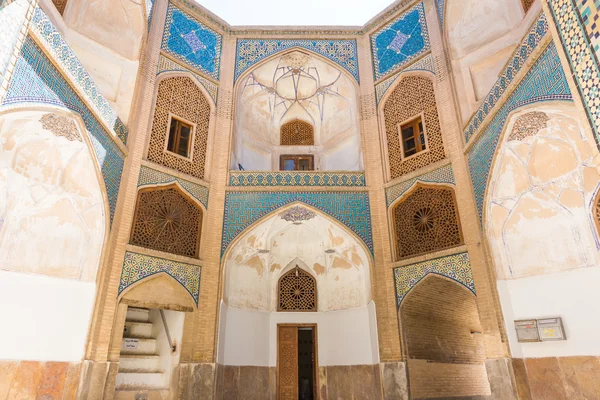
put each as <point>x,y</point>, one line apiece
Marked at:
<point>316,354</point>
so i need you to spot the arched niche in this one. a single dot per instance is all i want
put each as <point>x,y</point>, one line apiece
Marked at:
<point>296,85</point>
<point>539,207</point>
<point>159,291</point>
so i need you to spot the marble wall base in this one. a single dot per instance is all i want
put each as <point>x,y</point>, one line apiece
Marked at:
<point>395,381</point>
<point>196,381</point>
<point>501,378</point>
<point>39,380</point>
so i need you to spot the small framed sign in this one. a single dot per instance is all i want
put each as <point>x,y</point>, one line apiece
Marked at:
<point>527,331</point>
<point>130,344</point>
<point>551,329</point>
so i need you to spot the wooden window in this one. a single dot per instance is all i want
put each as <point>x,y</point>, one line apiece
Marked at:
<point>412,136</point>
<point>297,291</point>
<point>180,137</point>
<point>297,133</point>
<point>296,163</point>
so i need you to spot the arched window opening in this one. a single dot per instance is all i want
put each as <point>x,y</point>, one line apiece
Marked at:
<point>297,291</point>
<point>166,220</point>
<point>426,221</point>
<point>297,133</point>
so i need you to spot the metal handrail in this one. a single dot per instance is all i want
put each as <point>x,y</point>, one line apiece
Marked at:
<point>164,320</point>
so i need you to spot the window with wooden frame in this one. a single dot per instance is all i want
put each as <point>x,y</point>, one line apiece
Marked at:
<point>412,137</point>
<point>180,137</point>
<point>297,291</point>
<point>302,162</point>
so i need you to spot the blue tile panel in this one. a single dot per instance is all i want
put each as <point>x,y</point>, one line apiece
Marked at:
<point>579,46</point>
<point>140,266</point>
<point>36,80</point>
<point>149,176</point>
<point>165,64</point>
<point>149,10</point>
<point>545,81</point>
<point>252,51</point>
<point>589,10</point>
<point>325,179</point>
<point>441,10</point>
<point>11,21</point>
<point>242,209</point>
<point>64,56</point>
<point>192,42</point>
<point>400,42</point>
<point>441,175</point>
<point>456,267</point>
<point>523,52</point>
<point>424,64</point>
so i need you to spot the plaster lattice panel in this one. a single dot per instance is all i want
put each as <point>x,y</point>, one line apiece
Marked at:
<point>52,216</point>
<point>296,86</point>
<point>297,236</point>
<point>540,205</point>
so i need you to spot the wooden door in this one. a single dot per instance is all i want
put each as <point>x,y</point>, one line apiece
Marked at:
<point>288,363</point>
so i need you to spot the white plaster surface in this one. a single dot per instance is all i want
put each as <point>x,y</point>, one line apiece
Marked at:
<point>572,295</point>
<point>45,319</point>
<point>345,337</point>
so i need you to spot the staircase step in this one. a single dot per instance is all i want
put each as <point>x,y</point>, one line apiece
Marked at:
<point>138,346</point>
<point>137,314</point>
<point>134,329</point>
<point>150,394</point>
<point>139,363</point>
<point>141,380</point>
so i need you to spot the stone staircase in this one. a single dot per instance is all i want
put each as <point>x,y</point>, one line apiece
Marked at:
<point>139,365</point>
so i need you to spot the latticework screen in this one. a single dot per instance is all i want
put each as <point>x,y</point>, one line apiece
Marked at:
<point>181,97</point>
<point>297,291</point>
<point>60,5</point>
<point>297,133</point>
<point>166,220</point>
<point>411,97</point>
<point>426,221</point>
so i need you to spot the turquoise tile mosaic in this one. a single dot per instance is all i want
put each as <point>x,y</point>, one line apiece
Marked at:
<point>78,76</point>
<point>242,209</point>
<point>11,20</point>
<point>456,267</point>
<point>400,41</point>
<point>545,81</point>
<point>325,179</point>
<point>149,176</point>
<point>424,64</point>
<point>441,10</point>
<point>441,175</point>
<point>165,64</point>
<point>140,266</point>
<point>36,80</point>
<point>192,42</point>
<point>577,26</point>
<point>249,52</point>
<point>521,55</point>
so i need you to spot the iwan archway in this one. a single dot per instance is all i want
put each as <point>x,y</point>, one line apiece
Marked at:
<point>296,301</point>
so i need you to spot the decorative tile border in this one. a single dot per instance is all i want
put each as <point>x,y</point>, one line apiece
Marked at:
<point>326,179</point>
<point>140,266</point>
<point>149,11</point>
<point>11,21</point>
<point>165,64</point>
<point>62,54</point>
<point>242,209</point>
<point>426,63</point>
<point>190,41</point>
<point>252,51</point>
<point>36,80</point>
<point>441,10</point>
<point>399,42</point>
<point>456,267</point>
<point>444,174</point>
<point>523,52</point>
<point>149,176</point>
<point>545,81</point>
<point>579,48</point>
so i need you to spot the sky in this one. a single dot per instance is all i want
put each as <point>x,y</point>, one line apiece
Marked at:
<point>297,12</point>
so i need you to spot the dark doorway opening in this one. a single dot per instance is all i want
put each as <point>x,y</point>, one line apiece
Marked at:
<point>306,361</point>
<point>297,362</point>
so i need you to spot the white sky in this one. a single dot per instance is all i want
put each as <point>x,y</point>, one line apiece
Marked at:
<point>296,12</point>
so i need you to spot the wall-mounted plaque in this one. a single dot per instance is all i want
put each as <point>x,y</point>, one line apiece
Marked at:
<point>551,329</point>
<point>527,331</point>
<point>130,344</point>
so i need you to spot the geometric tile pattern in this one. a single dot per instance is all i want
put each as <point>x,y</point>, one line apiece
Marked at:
<point>149,176</point>
<point>165,64</point>
<point>252,51</point>
<point>440,175</point>
<point>456,267</point>
<point>441,9</point>
<point>579,43</point>
<point>399,42</point>
<point>140,266</point>
<point>11,20</point>
<point>528,44</point>
<point>76,73</point>
<point>35,80</point>
<point>242,209</point>
<point>328,179</point>
<point>149,10</point>
<point>192,42</point>
<point>545,81</point>
<point>424,64</point>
